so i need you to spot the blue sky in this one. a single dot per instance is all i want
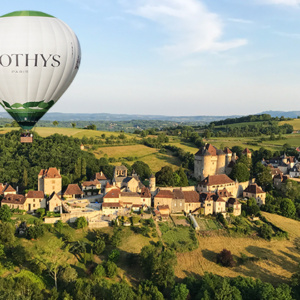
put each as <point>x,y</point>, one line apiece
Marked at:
<point>180,57</point>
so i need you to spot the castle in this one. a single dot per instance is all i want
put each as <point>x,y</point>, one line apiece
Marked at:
<point>212,161</point>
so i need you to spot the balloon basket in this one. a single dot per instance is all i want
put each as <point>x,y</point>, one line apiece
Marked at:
<point>26,138</point>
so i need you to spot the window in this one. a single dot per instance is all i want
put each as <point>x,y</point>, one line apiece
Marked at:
<point>40,200</point>
<point>33,200</point>
<point>53,181</point>
<point>33,205</point>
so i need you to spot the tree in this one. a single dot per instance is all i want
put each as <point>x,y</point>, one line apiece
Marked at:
<point>59,225</point>
<point>81,222</point>
<point>183,178</point>
<point>225,258</point>
<point>164,177</point>
<point>73,124</point>
<point>142,169</point>
<point>147,290</point>
<point>7,233</point>
<point>5,213</point>
<point>111,269</point>
<point>179,292</point>
<point>41,212</point>
<point>114,255</point>
<point>99,246</point>
<point>240,172</point>
<point>35,232</point>
<point>53,257</point>
<point>55,123</point>
<point>122,291</point>
<point>25,178</point>
<point>266,232</point>
<point>99,271</point>
<point>287,208</point>
<point>68,274</point>
<point>263,175</point>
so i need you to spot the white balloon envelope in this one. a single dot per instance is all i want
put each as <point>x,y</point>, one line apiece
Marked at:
<point>39,58</point>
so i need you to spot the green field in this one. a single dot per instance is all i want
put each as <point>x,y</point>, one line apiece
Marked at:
<point>207,224</point>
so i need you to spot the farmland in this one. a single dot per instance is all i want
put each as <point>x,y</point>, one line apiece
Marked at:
<point>150,156</point>
<point>295,123</point>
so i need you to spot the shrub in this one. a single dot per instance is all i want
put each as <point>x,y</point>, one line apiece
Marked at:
<point>99,246</point>
<point>225,258</point>
<point>266,232</point>
<point>111,269</point>
<point>114,256</point>
<point>81,222</point>
<point>99,271</point>
<point>34,232</point>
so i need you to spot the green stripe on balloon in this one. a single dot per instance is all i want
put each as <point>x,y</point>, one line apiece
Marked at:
<point>27,13</point>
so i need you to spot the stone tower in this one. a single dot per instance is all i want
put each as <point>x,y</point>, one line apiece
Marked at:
<point>152,183</point>
<point>247,152</point>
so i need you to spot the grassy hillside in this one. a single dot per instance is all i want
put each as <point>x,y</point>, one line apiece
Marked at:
<point>277,260</point>
<point>295,123</point>
<point>150,156</point>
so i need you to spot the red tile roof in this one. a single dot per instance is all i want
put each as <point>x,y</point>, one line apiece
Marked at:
<point>164,194</point>
<point>191,197</point>
<point>73,189</point>
<point>50,173</point>
<point>35,194</point>
<point>145,193</point>
<point>111,204</point>
<point>13,199</point>
<point>227,150</point>
<point>130,194</point>
<point>9,189</point>
<point>114,193</point>
<point>178,194</point>
<point>100,176</point>
<point>246,150</point>
<point>216,180</point>
<point>254,189</point>
<point>224,193</point>
<point>162,207</point>
<point>91,183</point>
<point>108,185</point>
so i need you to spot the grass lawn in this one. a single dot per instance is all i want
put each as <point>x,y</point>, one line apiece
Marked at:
<point>188,147</point>
<point>208,224</point>
<point>179,238</point>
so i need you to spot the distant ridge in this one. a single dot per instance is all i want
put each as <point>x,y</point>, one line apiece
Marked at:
<point>93,117</point>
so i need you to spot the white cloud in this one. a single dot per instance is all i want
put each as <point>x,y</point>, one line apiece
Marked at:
<point>282,2</point>
<point>188,23</point>
<point>243,21</point>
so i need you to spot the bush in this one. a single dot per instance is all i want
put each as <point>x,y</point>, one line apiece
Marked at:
<point>111,269</point>
<point>99,271</point>
<point>59,225</point>
<point>266,232</point>
<point>225,258</point>
<point>99,246</point>
<point>135,219</point>
<point>35,232</point>
<point>114,256</point>
<point>81,222</point>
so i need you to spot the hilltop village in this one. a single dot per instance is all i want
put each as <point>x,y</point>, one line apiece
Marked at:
<point>101,200</point>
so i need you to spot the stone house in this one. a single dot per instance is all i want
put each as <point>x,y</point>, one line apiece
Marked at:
<point>254,191</point>
<point>235,205</point>
<point>73,191</point>
<point>178,201</point>
<point>146,197</point>
<point>54,203</point>
<point>49,181</point>
<point>163,197</point>
<point>7,189</point>
<point>14,201</point>
<point>101,178</point>
<point>191,201</point>
<point>219,205</point>
<point>91,188</point>
<point>207,203</point>
<point>216,183</point>
<point>35,200</point>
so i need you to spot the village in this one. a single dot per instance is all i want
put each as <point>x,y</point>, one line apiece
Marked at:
<point>101,200</point>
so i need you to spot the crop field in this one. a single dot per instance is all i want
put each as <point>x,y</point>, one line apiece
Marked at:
<point>150,156</point>
<point>188,147</point>
<point>75,132</point>
<point>295,123</point>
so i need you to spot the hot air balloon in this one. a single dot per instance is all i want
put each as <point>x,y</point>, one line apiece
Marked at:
<point>39,58</point>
